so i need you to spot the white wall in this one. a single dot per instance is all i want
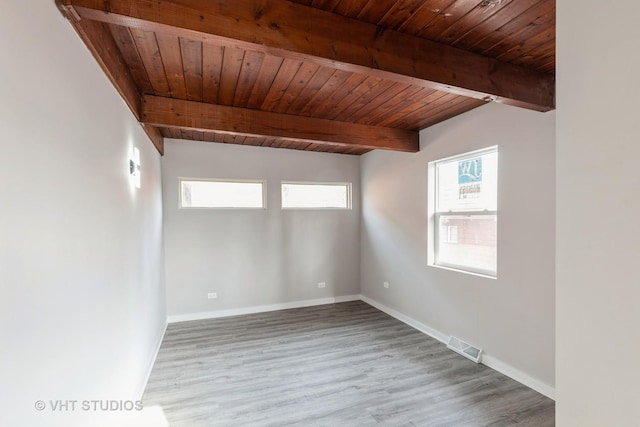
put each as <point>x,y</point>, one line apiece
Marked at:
<point>257,257</point>
<point>83,300</point>
<point>511,318</point>
<point>598,281</point>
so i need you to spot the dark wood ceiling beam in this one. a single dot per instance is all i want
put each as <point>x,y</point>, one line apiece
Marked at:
<point>200,116</point>
<point>98,39</point>
<point>300,32</point>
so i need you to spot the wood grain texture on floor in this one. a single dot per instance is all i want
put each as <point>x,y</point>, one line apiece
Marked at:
<point>345,364</point>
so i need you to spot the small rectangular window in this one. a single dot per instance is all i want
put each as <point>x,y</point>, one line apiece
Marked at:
<point>311,195</point>
<point>465,215</point>
<point>452,234</point>
<point>221,194</point>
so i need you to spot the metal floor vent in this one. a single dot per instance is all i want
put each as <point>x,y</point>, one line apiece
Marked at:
<point>465,349</point>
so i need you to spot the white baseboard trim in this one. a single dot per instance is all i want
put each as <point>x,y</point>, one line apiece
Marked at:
<point>259,309</point>
<point>487,360</point>
<point>522,377</point>
<point>433,333</point>
<point>152,362</point>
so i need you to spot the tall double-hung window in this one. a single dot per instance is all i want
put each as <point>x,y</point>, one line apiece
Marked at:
<point>465,217</point>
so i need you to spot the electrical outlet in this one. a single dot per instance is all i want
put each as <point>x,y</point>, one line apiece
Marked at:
<point>386,285</point>
<point>212,295</point>
<point>322,284</point>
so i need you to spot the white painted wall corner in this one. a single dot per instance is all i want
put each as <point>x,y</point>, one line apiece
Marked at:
<point>259,309</point>
<point>152,361</point>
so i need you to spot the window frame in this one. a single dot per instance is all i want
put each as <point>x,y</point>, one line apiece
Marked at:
<point>435,214</point>
<point>347,185</point>
<point>262,182</point>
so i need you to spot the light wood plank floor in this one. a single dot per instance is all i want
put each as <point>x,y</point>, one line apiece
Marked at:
<point>343,364</point>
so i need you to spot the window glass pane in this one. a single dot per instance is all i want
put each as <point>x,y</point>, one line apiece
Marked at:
<point>221,194</point>
<point>319,196</point>
<point>465,214</point>
<point>473,244</point>
<point>469,184</point>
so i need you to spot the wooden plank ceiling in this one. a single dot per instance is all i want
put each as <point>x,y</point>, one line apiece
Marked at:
<point>343,76</point>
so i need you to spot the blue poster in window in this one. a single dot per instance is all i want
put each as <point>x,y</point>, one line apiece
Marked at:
<point>470,171</point>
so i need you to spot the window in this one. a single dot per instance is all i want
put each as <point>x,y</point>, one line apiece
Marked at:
<point>452,234</point>
<point>222,194</point>
<point>311,195</point>
<point>465,217</point>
